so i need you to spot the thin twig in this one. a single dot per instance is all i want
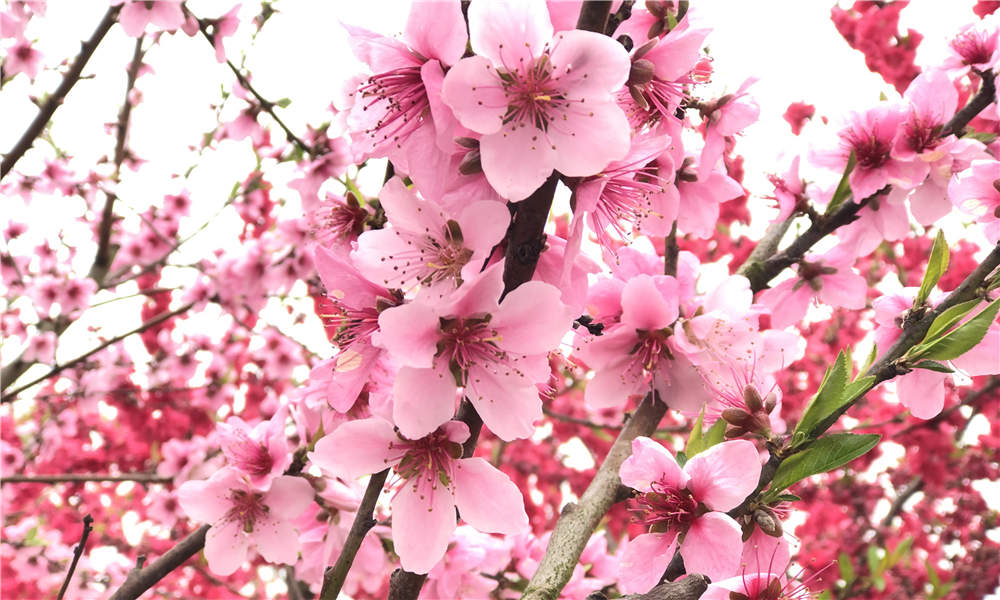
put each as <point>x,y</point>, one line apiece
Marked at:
<point>9,396</point>
<point>85,477</point>
<point>77,553</point>
<point>56,99</point>
<point>333,579</point>
<point>139,580</point>
<point>265,104</point>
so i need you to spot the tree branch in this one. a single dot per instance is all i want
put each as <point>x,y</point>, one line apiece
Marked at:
<point>69,80</point>
<point>9,396</point>
<point>334,577</point>
<point>987,95</point>
<point>578,521</point>
<point>77,553</point>
<point>139,580</point>
<point>84,477</point>
<point>265,104</point>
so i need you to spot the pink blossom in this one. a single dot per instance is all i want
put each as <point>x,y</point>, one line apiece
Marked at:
<point>976,191</point>
<point>540,102</point>
<point>356,304</point>
<point>975,47</point>
<point>932,101</point>
<point>884,218</point>
<point>136,15</point>
<point>725,117</point>
<point>698,207</point>
<point>22,58</point>
<point>829,279</point>
<point>495,350</point>
<point>425,245</point>
<point>432,480</point>
<point>633,356</point>
<point>789,190</point>
<point>261,452</point>
<point>242,516</point>
<point>224,27</point>
<point>469,555</point>
<point>720,478</point>
<point>403,94</point>
<point>870,136</point>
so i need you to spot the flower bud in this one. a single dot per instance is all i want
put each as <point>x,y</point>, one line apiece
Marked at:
<point>768,521</point>
<point>736,416</point>
<point>471,164</point>
<point>641,72</point>
<point>752,399</point>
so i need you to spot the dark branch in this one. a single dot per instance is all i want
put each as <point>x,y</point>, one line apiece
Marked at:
<point>335,576</point>
<point>9,396</point>
<point>84,477</point>
<point>987,95</point>
<point>77,553</point>
<point>69,80</point>
<point>139,580</point>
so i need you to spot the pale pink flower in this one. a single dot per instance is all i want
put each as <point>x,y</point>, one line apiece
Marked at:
<point>497,351</point>
<point>725,117</point>
<point>403,94</point>
<point>432,479</point>
<point>932,100</point>
<point>460,575</point>
<point>259,452</point>
<point>41,347</point>
<point>427,246</point>
<point>242,516</point>
<point>22,58</point>
<point>975,47</point>
<point>356,304</point>
<point>136,15</point>
<point>789,190</point>
<point>884,218</point>
<point>976,191</point>
<point>540,102</point>
<point>225,26</point>
<point>698,206</point>
<point>633,356</point>
<point>829,278</point>
<point>720,478</point>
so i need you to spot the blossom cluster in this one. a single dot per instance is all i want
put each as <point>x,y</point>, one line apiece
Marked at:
<point>473,340</point>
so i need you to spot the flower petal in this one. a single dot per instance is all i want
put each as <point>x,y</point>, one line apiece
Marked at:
<point>487,499</point>
<point>713,546</point>
<point>423,399</point>
<point>651,462</point>
<point>644,560</point>
<point>356,448</point>
<point>725,474</point>
<point>226,547</point>
<point>277,540</point>
<point>288,496</point>
<point>423,519</point>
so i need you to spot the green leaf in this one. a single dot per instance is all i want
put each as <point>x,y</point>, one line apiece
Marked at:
<point>874,561</point>
<point>827,399</point>
<point>948,318</point>
<point>682,459</point>
<point>963,338</point>
<point>695,440</point>
<point>870,360</point>
<point>899,552</point>
<point>788,498</point>
<point>284,102</point>
<point>933,365</point>
<point>825,454</point>
<point>936,267</point>
<point>982,136</point>
<point>846,568</point>
<point>843,188</point>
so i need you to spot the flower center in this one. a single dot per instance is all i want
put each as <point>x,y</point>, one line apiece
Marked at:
<point>247,508</point>
<point>972,47</point>
<point>533,96</point>
<point>921,136</point>
<point>870,151</point>
<point>465,342</point>
<point>665,508</point>
<point>401,94</point>
<point>427,461</point>
<point>652,347</point>
<point>249,456</point>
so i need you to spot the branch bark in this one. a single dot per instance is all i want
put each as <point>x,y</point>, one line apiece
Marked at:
<point>69,80</point>
<point>577,522</point>
<point>77,553</point>
<point>139,580</point>
<point>85,477</point>
<point>334,577</point>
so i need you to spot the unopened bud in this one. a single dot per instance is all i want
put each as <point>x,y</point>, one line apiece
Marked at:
<point>468,143</point>
<point>996,184</point>
<point>454,449</point>
<point>638,96</point>
<point>643,49</point>
<point>770,402</point>
<point>642,72</point>
<point>657,8</point>
<point>735,431</point>
<point>471,164</point>
<point>767,521</point>
<point>659,527</point>
<point>736,416</point>
<point>752,399</point>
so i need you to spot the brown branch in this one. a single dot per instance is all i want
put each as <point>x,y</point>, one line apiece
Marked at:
<point>84,477</point>
<point>139,580</point>
<point>334,577</point>
<point>761,267</point>
<point>526,235</point>
<point>689,588</point>
<point>9,396</point>
<point>52,103</point>
<point>265,104</point>
<point>77,553</point>
<point>578,521</point>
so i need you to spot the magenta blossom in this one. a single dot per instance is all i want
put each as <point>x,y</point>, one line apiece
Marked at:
<point>241,515</point>
<point>496,351</point>
<point>540,102</point>
<point>432,479</point>
<point>687,504</point>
